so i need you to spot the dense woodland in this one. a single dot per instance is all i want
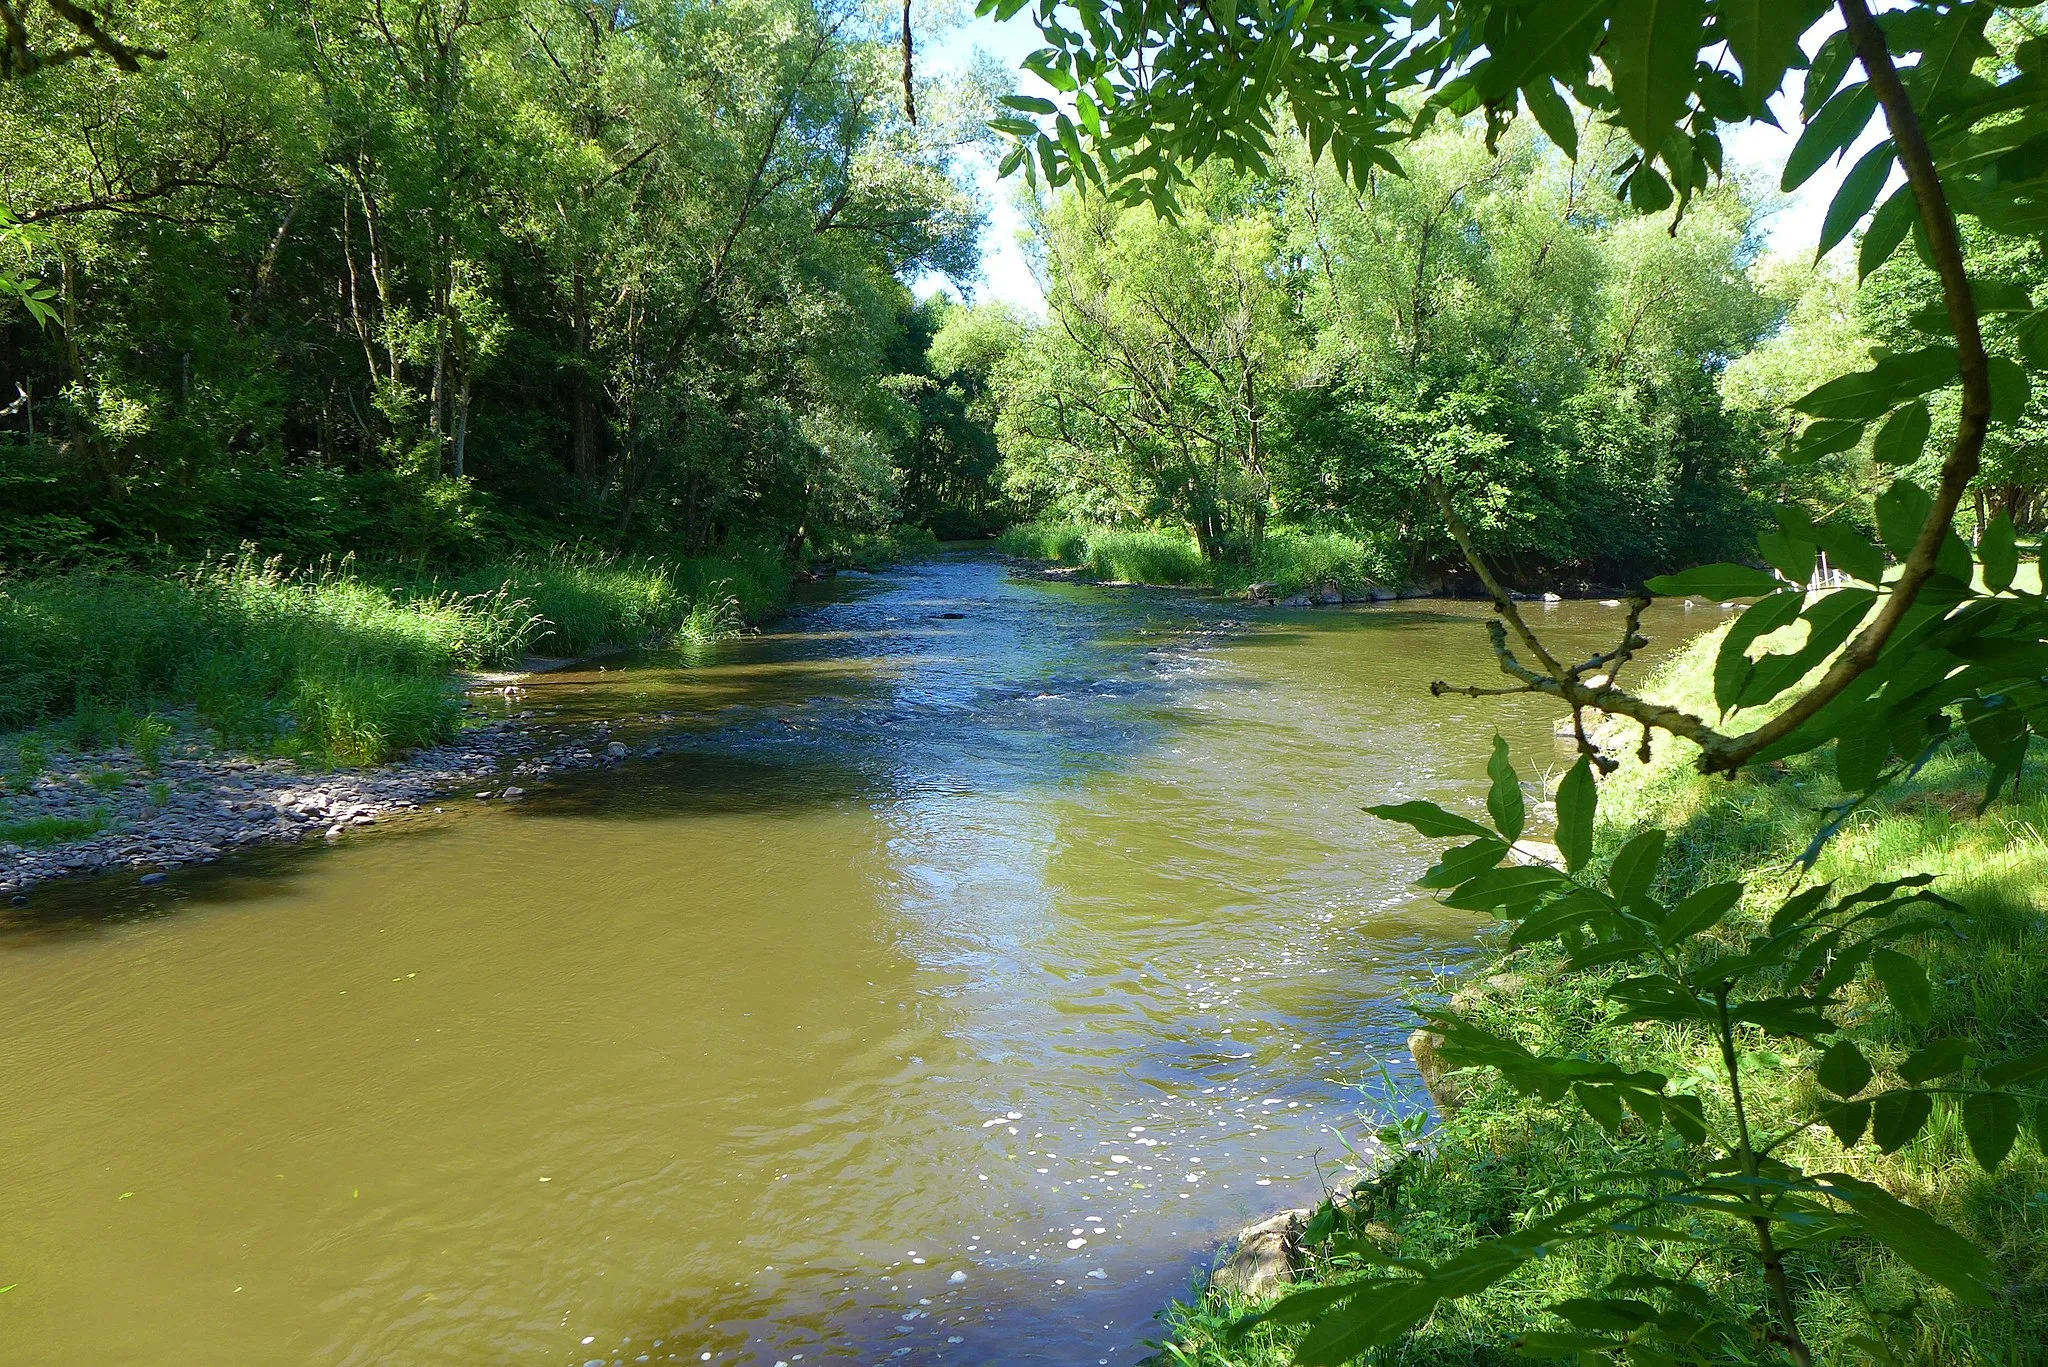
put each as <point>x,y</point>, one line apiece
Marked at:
<point>426,282</point>
<point>417,278</point>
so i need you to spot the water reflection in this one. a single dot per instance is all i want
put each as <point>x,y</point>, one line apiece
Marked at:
<point>938,996</point>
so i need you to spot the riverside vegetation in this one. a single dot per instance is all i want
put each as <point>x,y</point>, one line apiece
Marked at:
<point>1336,291</point>
<point>1710,1240</point>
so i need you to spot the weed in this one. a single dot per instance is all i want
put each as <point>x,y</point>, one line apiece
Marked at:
<point>147,737</point>
<point>52,830</point>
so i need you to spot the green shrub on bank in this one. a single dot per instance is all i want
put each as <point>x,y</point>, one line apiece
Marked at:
<point>1503,1160</point>
<point>1148,558</point>
<point>1288,558</point>
<point>331,663</point>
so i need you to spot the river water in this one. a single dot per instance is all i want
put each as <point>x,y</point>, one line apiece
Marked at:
<point>981,950</point>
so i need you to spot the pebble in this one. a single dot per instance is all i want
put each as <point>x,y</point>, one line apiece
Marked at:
<point>221,801</point>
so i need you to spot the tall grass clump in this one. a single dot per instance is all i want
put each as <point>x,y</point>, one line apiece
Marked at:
<point>583,599</point>
<point>1064,543</point>
<point>1297,560</point>
<point>1147,558</point>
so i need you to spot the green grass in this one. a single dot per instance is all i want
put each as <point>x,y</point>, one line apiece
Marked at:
<point>51,830</point>
<point>1502,1157</point>
<point>1291,559</point>
<point>332,664</point>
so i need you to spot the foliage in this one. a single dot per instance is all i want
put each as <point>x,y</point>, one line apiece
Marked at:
<point>1286,559</point>
<point>1358,80</point>
<point>330,663</point>
<point>1292,348</point>
<point>1699,1176</point>
<point>429,282</point>
<point>1883,668</point>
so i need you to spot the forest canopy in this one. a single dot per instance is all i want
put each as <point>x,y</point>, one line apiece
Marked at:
<point>414,277</point>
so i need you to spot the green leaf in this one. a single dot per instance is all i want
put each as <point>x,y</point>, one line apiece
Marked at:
<point>1651,49</point>
<point>1888,228</point>
<point>1763,36</point>
<point>1871,393</point>
<point>1428,818</point>
<point>1999,550</point>
<point>1905,982</point>
<point>1648,191</point>
<point>1464,862</point>
<point>1830,64</point>
<point>1848,1119</point>
<point>1991,1121</point>
<point>1552,34</point>
<point>1838,123</point>
<point>1903,436</point>
<point>1506,892</point>
<point>1860,756</point>
<point>1701,911</point>
<point>1824,437</point>
<point>1031,104</point>
<point>1634,869</point>
<point>1952,49</point>
<point>1843,1070</point>
<point>1553,116</point>
<point>1504,798</point>
<point>1576,802</point>
<point>1896,1117</point>
<point>1381,1312</point>
<point>1686,1116</point>
<point>1859,190</point>
<point>1715,581</point>
<point>2010,389</point>
<point>1732,666</point>
<point>1901,511</point>
<point>1938,1059</point>
<point>1919,1240</point>
<point>2025,1068</point>
<point>1792,556</point>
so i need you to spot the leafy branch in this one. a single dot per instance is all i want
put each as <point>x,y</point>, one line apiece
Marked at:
<point>1687,966</point>
<point>1156,90</point>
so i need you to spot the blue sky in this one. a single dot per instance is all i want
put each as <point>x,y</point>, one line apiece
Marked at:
<point>1792,227</point>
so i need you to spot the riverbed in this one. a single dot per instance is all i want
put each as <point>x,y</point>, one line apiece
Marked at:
<point>975,954</point>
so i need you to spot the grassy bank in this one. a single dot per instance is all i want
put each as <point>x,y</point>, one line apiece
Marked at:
<point>1502,1160</point>
<point>338,665</point>
<point>1288,558</point>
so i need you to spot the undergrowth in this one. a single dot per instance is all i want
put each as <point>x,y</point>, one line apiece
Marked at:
<point>1501,1159</point>
<point>333,663</point>
<point>1290,560</point>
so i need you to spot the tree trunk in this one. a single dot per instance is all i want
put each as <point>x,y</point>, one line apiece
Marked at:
<point>583,430</point>
<point>462,425</point>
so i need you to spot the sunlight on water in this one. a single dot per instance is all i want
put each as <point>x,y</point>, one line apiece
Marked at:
<point>975,954</point>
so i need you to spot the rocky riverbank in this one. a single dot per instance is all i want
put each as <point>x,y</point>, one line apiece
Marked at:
<point>111,810</point>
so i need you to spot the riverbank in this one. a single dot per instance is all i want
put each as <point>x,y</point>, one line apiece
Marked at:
<point>243,704</point>
<point>1496,1160</point>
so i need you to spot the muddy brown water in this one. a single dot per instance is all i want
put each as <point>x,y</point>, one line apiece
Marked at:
<point>942,995</point>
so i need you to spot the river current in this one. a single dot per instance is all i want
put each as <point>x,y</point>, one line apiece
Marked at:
<point>978,953</point>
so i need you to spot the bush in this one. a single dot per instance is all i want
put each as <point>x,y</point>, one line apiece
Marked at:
<point>330,662</point>
<point>1147,558</point>
<point>1065,543</point>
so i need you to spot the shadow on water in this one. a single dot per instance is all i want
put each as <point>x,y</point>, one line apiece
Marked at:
<point>940,993</point>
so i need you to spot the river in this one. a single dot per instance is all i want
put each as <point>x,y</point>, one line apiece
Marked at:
<point>980,951</point>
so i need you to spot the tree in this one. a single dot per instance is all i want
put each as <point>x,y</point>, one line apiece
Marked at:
<point>1170,344</point>
<point>1158,90</point>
